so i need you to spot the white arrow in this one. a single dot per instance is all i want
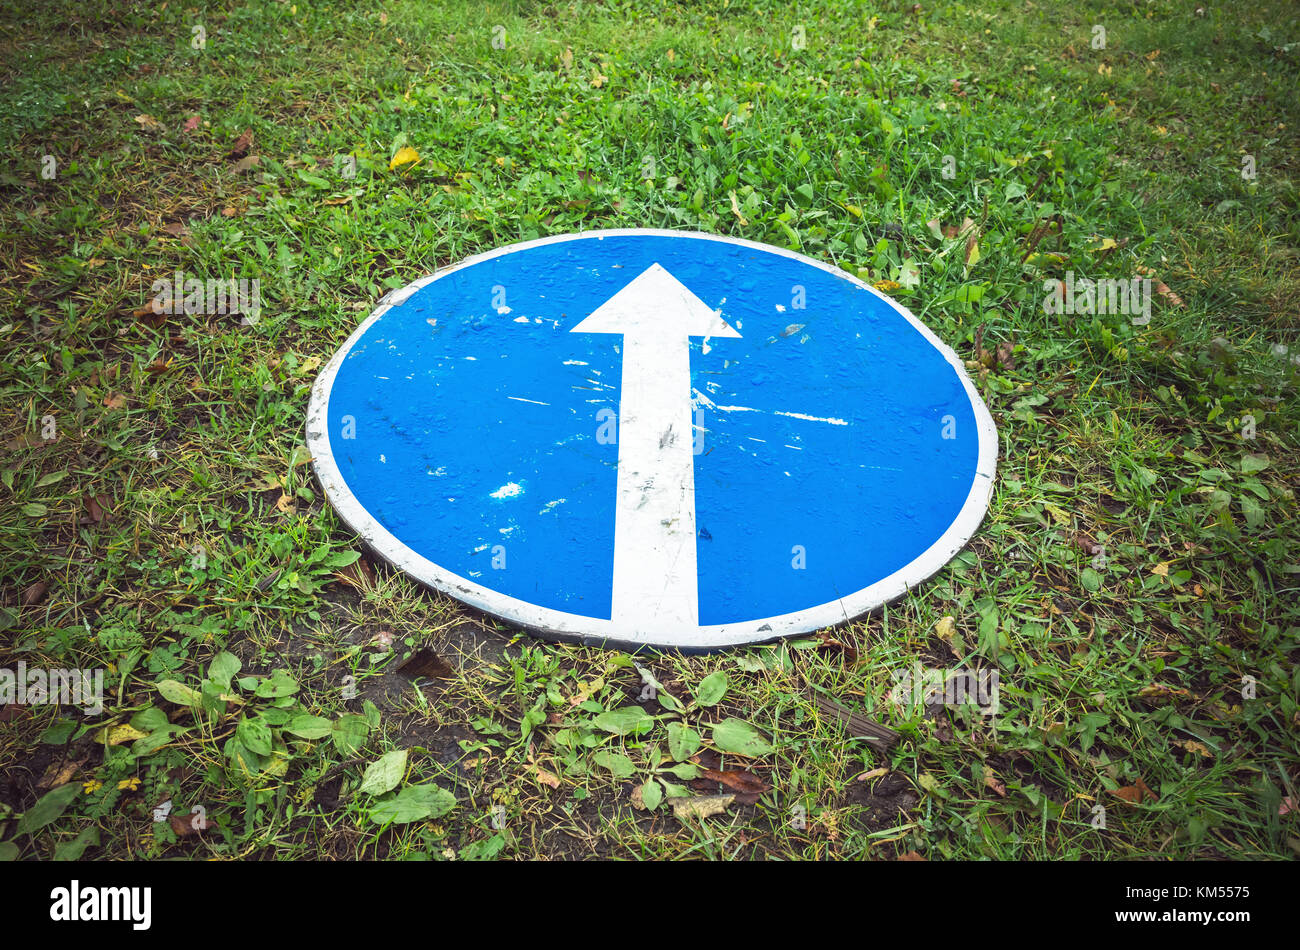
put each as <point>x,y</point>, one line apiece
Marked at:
<point>655,582</point>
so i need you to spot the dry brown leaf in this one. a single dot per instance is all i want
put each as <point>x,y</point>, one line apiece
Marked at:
<point>995,783</point>
<point>550,779</point>
<point>740,780</point>
<point>911,856</point>
<point>242,145</point>
<point>56,775</point>
<point>33,594</point>
<point>187,825</point>
<point>244,164</point>
<point>1135,794</point>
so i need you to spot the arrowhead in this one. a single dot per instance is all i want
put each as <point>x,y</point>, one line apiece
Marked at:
<point>656,304</point>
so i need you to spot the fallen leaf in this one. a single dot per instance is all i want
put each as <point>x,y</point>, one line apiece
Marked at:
<point>739,780</point>
<point>549,779</point>
<point>242,145</point>
<point>358,574</point>
<point>832,645</point>
<point>995,783</point>
<point>192,123</point>
<point>701,806</point>
<point>383,640</point>
<point>244,164</point>
<point>1162,569</point>
<point>148,122</point>
<point>186,825</point>
<point>115,401</point>
<point>735,209</point>
<point>1200,748</point>
<point>1134,794</point>
<point>911,856</point>
<point>1006,356</point>
<point>32,594</point>
<point>404,156</point>
<point>177,229</point>
<point>874,773</point>
<point>98,509</point>
<point>1286,806</point>
<point>56,775</point>
<point>1163,290</point>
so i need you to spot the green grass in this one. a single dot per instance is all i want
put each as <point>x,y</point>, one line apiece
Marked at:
<point>221,547</point>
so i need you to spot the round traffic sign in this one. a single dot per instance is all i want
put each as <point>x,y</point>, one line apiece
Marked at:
<point>643,437</point>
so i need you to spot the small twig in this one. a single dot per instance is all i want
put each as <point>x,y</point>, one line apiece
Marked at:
<point>881,738</point>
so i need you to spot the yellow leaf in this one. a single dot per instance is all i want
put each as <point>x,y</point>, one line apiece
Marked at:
<point>853,210</point>
<point>116,735</point>
<point>735,209</point>
<point>1059,516</point>
<point>1162,569</point>
<point>405,156</point>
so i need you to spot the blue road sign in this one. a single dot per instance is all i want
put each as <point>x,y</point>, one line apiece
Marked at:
<point>653,438</point>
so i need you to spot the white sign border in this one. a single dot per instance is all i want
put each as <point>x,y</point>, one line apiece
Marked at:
<point>560,625</point>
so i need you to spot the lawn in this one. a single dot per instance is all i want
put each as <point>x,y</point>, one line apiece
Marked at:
<point>271,692</point>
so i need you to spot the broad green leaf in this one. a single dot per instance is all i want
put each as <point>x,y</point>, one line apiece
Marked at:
<point>150,719</point>
<point>414,803</point>
<point>625,721</point>
<point>616,762</point>
<point>48,808</point>
<point>683,741</point>
<point>223,668</point>
<point>740,738</point>
<point>156,740</point>
<point>72,850</point>
<point>305,726</point>
<point>8,851</point>
<point>350,733</point>
<point>1253,463</point>
<point>279,683</point>
<point>255,734</point>
<point>684,770</point>
<point>384,773</point>
<point>652,794</point>
<point>179,693</point>
<point>712,688</point>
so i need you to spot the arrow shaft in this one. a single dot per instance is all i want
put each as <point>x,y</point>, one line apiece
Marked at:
<point>655,581</point>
